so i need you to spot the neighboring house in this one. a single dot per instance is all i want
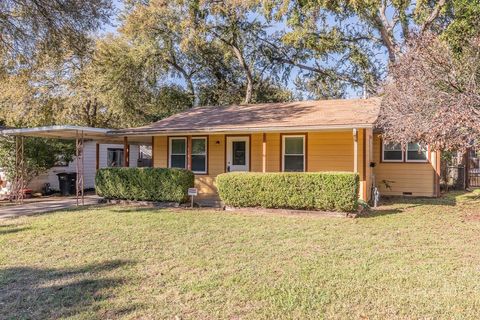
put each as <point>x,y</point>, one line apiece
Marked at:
<point>109,155</point>
<point>306,136</point>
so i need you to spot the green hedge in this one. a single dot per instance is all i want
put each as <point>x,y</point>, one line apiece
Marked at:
<point>150,184</point>
<point>332,191</point>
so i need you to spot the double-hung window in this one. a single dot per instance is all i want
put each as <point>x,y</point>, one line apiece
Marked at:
<point>178,153</point>
<point>392,152</point>
<point>416,153</point>
<point>293,153</point>
<point>199,155</point>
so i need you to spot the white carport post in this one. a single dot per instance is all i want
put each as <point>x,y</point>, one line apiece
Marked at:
<point>19,182</point>
<point>79,187</point>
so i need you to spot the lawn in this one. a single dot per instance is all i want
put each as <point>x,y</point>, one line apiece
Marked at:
<point>412,259</point>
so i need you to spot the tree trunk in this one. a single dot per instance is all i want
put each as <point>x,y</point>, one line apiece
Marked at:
<point>188,79</point>
<point>248,74</point>
<point>191,90</point>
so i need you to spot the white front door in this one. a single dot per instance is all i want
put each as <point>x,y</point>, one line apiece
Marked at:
<point>238,154</point>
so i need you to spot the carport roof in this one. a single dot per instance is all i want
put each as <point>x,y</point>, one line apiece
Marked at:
<point>67,132</point>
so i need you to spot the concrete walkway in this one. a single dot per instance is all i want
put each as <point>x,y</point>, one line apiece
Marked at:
<point>32,207</point>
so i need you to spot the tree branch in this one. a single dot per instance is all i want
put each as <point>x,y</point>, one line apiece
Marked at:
<point>434,15</point>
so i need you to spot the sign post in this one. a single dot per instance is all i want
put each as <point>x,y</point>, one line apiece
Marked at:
<point>192,192</point>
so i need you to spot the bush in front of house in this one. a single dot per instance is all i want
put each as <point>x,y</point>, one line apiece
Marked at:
<point>146,184</point>
<point>329,191</point>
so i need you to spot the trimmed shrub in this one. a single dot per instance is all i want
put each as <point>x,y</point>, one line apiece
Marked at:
<point>147,184</point>
<point>330,191</point>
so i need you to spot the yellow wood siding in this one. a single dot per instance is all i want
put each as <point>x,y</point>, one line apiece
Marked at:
<point>417,178</point>
<point>273,152</point>
<point>326,151</point>
<point>160,146</point>
<point>330,151</point>
<point>256,141</point>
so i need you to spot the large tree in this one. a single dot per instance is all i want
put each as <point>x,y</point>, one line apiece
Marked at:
<point>213,46</point>
<point>433,95</point>
<point>32,27</point>
<point>340,45</point>
<point>34,36</point>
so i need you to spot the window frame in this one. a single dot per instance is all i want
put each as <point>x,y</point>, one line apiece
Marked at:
<point>304,140</point>
<point>205,154</point>
<point>392,161</point>
<point>416,161</point>
<point>404,155</point>
<point>170,153</point>
<point>121,158</point>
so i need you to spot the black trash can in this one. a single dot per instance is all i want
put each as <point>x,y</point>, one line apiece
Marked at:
<point>72,187</point>
<point>67,183</point>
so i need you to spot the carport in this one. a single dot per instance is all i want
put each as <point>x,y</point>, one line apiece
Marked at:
<point>79,135</point>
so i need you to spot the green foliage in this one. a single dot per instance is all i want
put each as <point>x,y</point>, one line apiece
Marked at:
<point>333,191</point>
<point>465,23</point>
<point>39,155</point>
<point>339,45</point>
<point>32,28</point>
<point>148,184</point>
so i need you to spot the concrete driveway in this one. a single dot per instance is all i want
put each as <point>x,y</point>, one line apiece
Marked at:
<point>37,206</point>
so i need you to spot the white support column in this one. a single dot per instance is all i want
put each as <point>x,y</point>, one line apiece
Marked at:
<point>355,150</point>
<point>80,167</point>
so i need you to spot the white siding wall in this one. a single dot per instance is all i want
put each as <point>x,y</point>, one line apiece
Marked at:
<point>89,162</point>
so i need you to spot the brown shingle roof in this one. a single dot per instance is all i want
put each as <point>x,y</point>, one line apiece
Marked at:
<point>302,115</point>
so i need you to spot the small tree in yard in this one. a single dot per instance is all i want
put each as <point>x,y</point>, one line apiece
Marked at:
<point>433,96</point>
<point>39,155</point>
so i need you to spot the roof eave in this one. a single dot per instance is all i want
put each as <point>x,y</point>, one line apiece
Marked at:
<point>26,131</point>
<point>240,130</point>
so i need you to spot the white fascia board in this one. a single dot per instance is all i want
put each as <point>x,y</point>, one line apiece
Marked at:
<point>52,129</point>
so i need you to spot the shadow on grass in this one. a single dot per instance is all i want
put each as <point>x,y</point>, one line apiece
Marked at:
<point>10,230</point>
<point>138,209</point>
<point>35,293</point>
<point>398,204</point>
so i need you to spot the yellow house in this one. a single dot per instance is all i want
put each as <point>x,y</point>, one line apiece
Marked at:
<point>306,136</point>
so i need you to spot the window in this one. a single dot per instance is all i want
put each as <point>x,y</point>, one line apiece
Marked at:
<point>416,153</point>
<point>392,152</point>
<point>199,155</point>
<point>239,149</point>
<point>293,150</point>
<point>178,153</point>
<point>61,161</point>
<point>145,152</point>
<point>114,157</point>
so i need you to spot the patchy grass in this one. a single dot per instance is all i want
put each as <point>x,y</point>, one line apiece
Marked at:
<point>411,259</point>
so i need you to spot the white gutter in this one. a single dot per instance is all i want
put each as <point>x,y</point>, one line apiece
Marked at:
<point>23,131</point>
<point>240,130</point>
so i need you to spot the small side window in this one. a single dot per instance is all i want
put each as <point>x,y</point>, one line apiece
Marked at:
<point>417,152</point>
<point>392,152</point>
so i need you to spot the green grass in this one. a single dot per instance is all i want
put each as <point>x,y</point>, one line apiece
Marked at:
<point>412,259</point>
